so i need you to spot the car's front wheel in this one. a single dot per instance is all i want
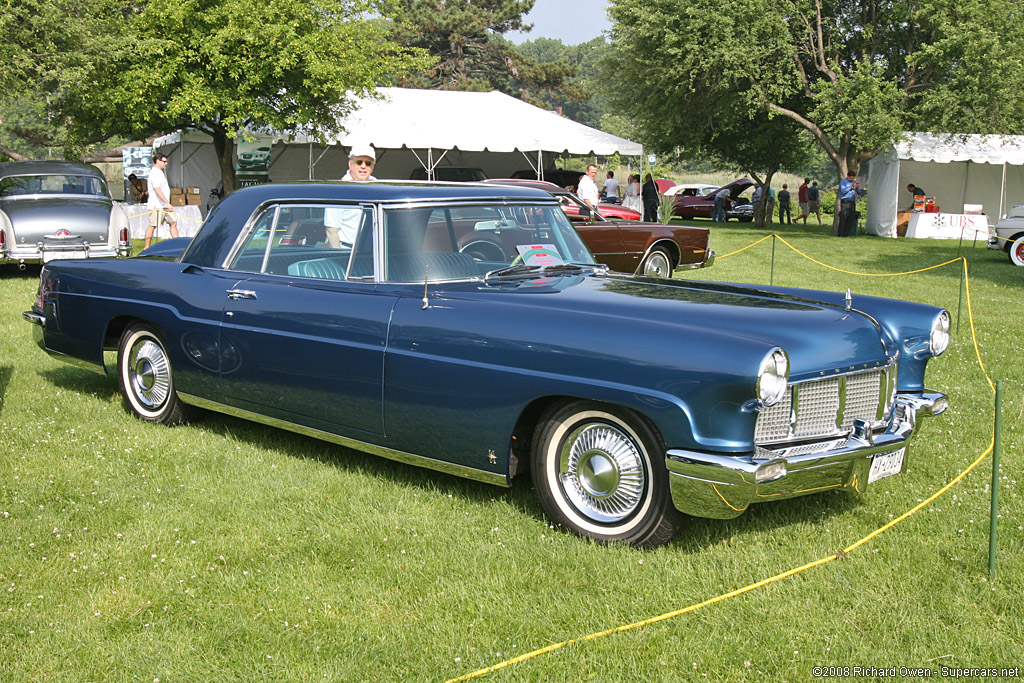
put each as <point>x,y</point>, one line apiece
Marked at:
<point>145,377</point>
<point>597,472</point>
<point>657,264</point>
<point>1016,250</point>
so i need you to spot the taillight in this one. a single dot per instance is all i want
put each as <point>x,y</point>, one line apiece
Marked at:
<point>45,287</point>
<point>3,240</point>
<point>122,237</point>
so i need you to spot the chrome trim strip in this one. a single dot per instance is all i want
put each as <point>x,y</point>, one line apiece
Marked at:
<point>373,449</point>
<point>723,486</point>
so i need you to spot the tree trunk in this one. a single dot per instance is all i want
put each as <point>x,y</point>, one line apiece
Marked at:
<point>224,148</point>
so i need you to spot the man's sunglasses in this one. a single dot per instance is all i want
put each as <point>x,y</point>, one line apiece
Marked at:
<point>362,162</point>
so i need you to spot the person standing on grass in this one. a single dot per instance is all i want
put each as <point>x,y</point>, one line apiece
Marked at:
<point>651,198</point>
<point>801,199</point>
<point>159,202</point>
<point>848,191</point>
<point>784,205</point>
<point>814,201</point>
<point>769,209</point>
<point>718,211</point>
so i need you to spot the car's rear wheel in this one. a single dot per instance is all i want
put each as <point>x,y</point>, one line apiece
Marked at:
<point>597,472</point>
<point>145,377</point>
<point>657,264</point>
<point>1016,250</point>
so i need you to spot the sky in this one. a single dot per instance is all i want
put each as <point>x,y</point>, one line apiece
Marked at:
<point>571,21</point>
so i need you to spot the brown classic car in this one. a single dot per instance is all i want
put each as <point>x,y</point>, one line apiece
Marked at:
<point>652,249</point>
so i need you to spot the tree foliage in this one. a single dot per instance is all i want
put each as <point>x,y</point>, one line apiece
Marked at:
<point>585,100</point>
<point>855,75</point>
<point>465,39</point>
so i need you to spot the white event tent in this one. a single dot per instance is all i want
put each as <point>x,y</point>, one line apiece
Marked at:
<point>955,169</point>
<point>412,129</point>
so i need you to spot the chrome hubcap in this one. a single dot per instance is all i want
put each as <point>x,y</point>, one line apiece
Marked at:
<point>601,472</point>
<point>657,265</point>
<point>149,374</point>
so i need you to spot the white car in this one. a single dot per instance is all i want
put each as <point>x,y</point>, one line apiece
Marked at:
<point>1008,235</point>
<point>695,189</point>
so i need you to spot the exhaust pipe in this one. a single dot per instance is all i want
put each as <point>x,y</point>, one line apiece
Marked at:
<point>21,266</point>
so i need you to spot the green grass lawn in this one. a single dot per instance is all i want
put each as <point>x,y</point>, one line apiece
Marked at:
<point>229,551</point>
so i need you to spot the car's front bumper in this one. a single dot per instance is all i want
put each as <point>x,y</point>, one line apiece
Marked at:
<point>723,486</point>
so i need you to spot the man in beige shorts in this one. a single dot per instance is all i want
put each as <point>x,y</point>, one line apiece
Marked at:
<point>159,203</point>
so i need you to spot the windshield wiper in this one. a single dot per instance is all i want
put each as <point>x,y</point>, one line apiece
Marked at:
<point>517,269</point>
<point>550,269</point>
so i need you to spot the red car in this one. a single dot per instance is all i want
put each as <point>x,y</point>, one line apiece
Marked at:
<point>626,244</point>
<point>700,206</point>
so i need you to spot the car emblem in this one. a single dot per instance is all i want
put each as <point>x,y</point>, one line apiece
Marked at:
<point>62,233</point>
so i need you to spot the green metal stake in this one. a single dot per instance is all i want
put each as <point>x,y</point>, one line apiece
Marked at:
<point>995,482</point>
<point>771,279</point>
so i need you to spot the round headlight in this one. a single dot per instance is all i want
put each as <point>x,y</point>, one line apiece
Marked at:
<point>773,377</point>
<point>939,339</point>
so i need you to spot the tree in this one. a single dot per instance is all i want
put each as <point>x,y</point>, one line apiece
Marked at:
<point>230,66</point>
<point>48,46</point>
<point>465,39</point>
<point>855,75</point>
<point>584,101</point>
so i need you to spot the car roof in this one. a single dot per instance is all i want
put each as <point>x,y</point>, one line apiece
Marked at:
<point>522,182</point>
<point>383,191</point>
<point>16,168</point>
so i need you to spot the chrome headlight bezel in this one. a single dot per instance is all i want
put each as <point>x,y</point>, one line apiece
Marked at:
<point>773,377</point>
<point>939,337</point>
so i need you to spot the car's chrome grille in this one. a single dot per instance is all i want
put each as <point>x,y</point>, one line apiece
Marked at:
<point>827,408</point>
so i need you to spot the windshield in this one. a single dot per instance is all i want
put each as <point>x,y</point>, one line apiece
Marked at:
<point>456,242</point>
<point>53,184</point>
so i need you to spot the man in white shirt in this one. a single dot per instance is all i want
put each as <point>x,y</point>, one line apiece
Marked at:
<point>587,189</point>
<point>611,188</point>
<point>159,203</point>
<point>342,223</point>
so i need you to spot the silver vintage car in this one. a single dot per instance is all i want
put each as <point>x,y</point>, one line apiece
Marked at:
<point>58,210</point>
<point>1008,235</point>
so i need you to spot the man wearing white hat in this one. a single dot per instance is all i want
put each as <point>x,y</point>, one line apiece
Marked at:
<point>361,159</point>
<point>342,223</point>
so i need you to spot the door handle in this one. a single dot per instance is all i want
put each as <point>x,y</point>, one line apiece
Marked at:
<point>236,294</point>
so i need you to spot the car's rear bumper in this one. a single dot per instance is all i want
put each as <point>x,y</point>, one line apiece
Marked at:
<point>40,253</point>
<point>723,486</point>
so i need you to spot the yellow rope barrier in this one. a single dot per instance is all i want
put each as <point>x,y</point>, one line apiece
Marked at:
<point>810,565</point>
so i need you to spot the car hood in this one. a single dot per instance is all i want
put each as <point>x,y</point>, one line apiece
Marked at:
<point>34,218</point>
<point>819,337</point>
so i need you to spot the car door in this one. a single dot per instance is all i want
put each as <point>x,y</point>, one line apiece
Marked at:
<point>304,330</point>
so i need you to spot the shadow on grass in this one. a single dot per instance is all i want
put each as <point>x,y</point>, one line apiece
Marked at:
<point>81,381</point>
<point>6,371</point>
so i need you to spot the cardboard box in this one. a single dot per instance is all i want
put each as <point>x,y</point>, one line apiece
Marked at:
<point>191,190</point>
<point>177,190</point>
<point>193,199</point>
<point>177,199</point>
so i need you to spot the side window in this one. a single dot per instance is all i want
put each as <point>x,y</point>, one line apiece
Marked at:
<point>326,242</point>
<point>252,254</point>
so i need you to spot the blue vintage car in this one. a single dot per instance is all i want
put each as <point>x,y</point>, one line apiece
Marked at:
<point>350,312</point>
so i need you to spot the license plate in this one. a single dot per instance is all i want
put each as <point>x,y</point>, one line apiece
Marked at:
<point>886,464</point>
<point>60,255</point>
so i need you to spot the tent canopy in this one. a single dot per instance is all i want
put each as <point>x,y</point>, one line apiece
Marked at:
<point>413,129</point>
<point>955,169</point>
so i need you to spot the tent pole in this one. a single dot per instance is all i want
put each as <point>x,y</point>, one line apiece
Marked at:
<point>540,164</point>
<point>310,160</point>
<point>430,163</point>
<point>1002,194</point>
